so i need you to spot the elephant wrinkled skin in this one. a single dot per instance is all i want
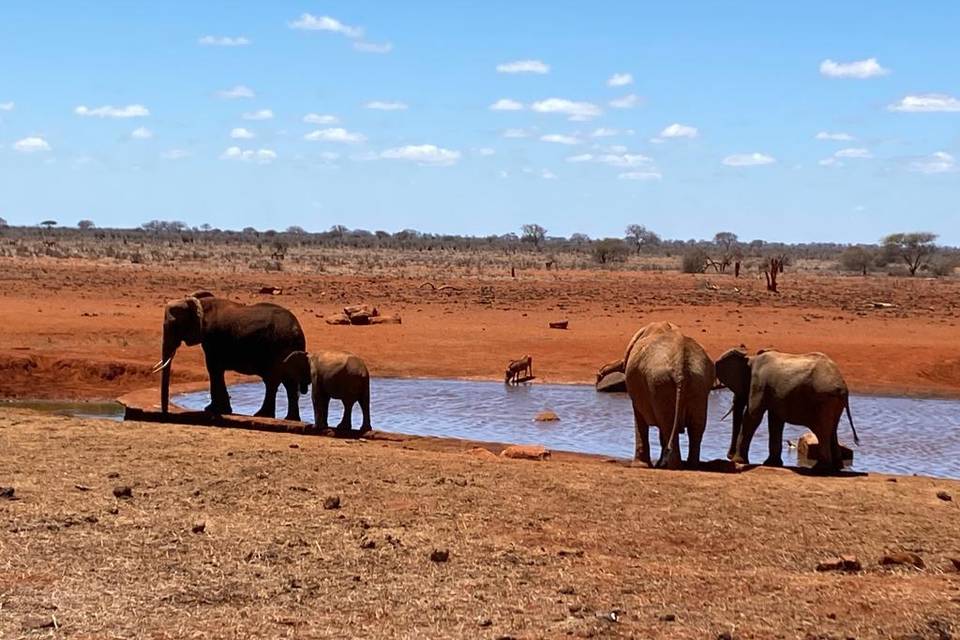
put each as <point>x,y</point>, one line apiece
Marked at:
<point>801,389</point>
<point>669,377</point>
<point>250,339</point>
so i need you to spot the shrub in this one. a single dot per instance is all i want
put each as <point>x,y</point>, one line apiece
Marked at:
<point>694,261</point>
<point>610,250</point>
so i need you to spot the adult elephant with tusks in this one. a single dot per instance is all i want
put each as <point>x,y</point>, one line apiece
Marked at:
<point>250,339</point>
<point>669,377</point>
<point>802,389</point>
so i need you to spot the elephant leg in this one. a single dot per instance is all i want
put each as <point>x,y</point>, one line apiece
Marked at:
<point>642,446</point>
<point>828,451</point>
<point>346,422</point>
<point>219,398</point>
<point>751,420</point>
<point>293,401</point>
<point>365,410</point>
<point>321,405</point>
<point>674,461</point>
<point>774,458</point>
<point>269,407</point>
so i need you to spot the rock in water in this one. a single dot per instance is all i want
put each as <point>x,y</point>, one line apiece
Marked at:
<point>614,382</point>
<point>546,416</point>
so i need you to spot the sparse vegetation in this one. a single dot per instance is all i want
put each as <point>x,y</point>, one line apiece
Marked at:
<point>915,249</point>
<point>84,225</point>
<point>610,250</point>
<point>858,258</point>
<point>694,260</point>
<point>534,234</point>
<point>641,237</point>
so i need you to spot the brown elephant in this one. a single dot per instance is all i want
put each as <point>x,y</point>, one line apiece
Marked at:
<point>250,339</point>
<point>333,374</point>
<point>669,377</point>
<point>802,389</point>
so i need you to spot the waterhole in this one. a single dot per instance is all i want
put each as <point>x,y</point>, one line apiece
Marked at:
<point>898,435</point>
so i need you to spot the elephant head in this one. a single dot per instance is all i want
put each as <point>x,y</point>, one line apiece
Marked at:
<point>182,322</point>
<point>733,372</point>
<point>296,368</point>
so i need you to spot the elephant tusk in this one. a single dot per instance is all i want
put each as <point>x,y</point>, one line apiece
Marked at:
<point>160,366</point>
<point>729,411</point>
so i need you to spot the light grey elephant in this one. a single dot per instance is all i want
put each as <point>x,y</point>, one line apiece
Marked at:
<point>333,374</point>
<point>669,377</point>
<point>802,389</point>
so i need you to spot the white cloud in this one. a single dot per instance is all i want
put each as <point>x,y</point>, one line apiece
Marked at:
<point>842,137</point>
<point>854,152</point>
<point>7,106</point>
<point>506,104</point>
<point>236,92</point>
<point>560,138</point>
<point>748,160</point>
<point>175,154</point>
<point>524,66</point>
<point>141,133</point>
<point>262,114</point>
<point>613,148</point>
<point>317,118</point>
<point>107,111</point>
<point>239,133</point>
<point>939,162</point>
<point>31,145</point>
<point>926,103</point>
<point>679,131</point>
<point>381,105</point>
<point>336,134</point>
<point>373,47</point>
<point>223,41</point>
<point>516,133</point>
<point>627,102</point>
<point>604,132</point>
<point>583,157</point>
<point>620,80</point>
<point>309,22</point>
<point>641,175</point>
<point>830,162</point>
<point>574,110</point>
<point>424,154</point>
<point>624,159</point>
<point>859,69</point>
<point>546,174</point>
<point>260,156</point>
<point>486,151</point>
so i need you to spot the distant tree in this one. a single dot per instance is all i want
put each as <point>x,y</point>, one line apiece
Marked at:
<point>164,226</point>
<point>338,231</point>
<point>858,258</point>
<point>85,224</point>
<point>49,224</point>
<point>533,233</point>
<point>915,249</point>
<point>249,231</point>
<point>580,239</point>
<point>610,250</point>
<point>205,226</point>
<point>641,237</point>
<point>296,230</point>
<point>3,223</point>
<point>727,250</point>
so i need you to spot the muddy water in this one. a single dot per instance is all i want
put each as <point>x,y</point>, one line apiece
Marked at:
<point>898,435</point>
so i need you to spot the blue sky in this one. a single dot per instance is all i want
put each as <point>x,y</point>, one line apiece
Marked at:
<point>687,117</point>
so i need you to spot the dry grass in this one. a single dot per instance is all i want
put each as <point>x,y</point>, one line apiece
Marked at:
<point>536,549</point>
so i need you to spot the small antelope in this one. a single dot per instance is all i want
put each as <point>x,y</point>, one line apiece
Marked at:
<point>517,369</point>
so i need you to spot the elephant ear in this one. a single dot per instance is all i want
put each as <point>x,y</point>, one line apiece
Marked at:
<point>296,368</point>
<point>733,371</point>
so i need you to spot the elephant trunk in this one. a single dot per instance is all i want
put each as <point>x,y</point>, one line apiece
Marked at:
<point>739,406</point>
<point>170,345</point>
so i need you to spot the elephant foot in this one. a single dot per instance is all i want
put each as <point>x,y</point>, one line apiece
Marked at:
<point>731,454</point>
<point>218,410</point>
<point>365,428</point>
<point>824,468</point>
<point>263,413</point>
<point>293,416</point>
<point>773,462</point>
<point>739,459</point>
<point>641,464</point>
<point>343,429</point>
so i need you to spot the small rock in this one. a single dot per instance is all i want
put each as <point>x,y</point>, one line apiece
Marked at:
<point>610,616</point>
<point>92,519</point>
<point>367,543</point>
<point>38,622</point>
<point>113,510</point>
<point>113,474</point>
<point>567,591</point>
<point>891,479</point>
<point>724,635</point>
<point>902,558</point>
<point>81,487</point>
<point>480,452</point>
<point>956,563</point>
<point>331,502</point>
<point>546,416</point>
<point>943,495</point>
<point>439,555</point>
<point>484,622</point>
<point>843,563</point>
<point>123,492</point>
<point>559,324</point>
<point>575,553</point>
<point>199,527</point>
<point>8,493</point>
<point>668,617</point>
<point>294,446</point>
<point>525,452</point>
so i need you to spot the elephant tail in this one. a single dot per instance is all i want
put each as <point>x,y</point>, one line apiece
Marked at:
<point>856,440</point>
<point>678,419</point>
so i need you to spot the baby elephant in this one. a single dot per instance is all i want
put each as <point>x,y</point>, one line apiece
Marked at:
<point>333,374</point>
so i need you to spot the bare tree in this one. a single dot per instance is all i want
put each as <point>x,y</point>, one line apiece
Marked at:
<point>533,233</point>
<point>727,249</point>
<point>914,248</point>
<point>641,237</point>
<point>580,239</point>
